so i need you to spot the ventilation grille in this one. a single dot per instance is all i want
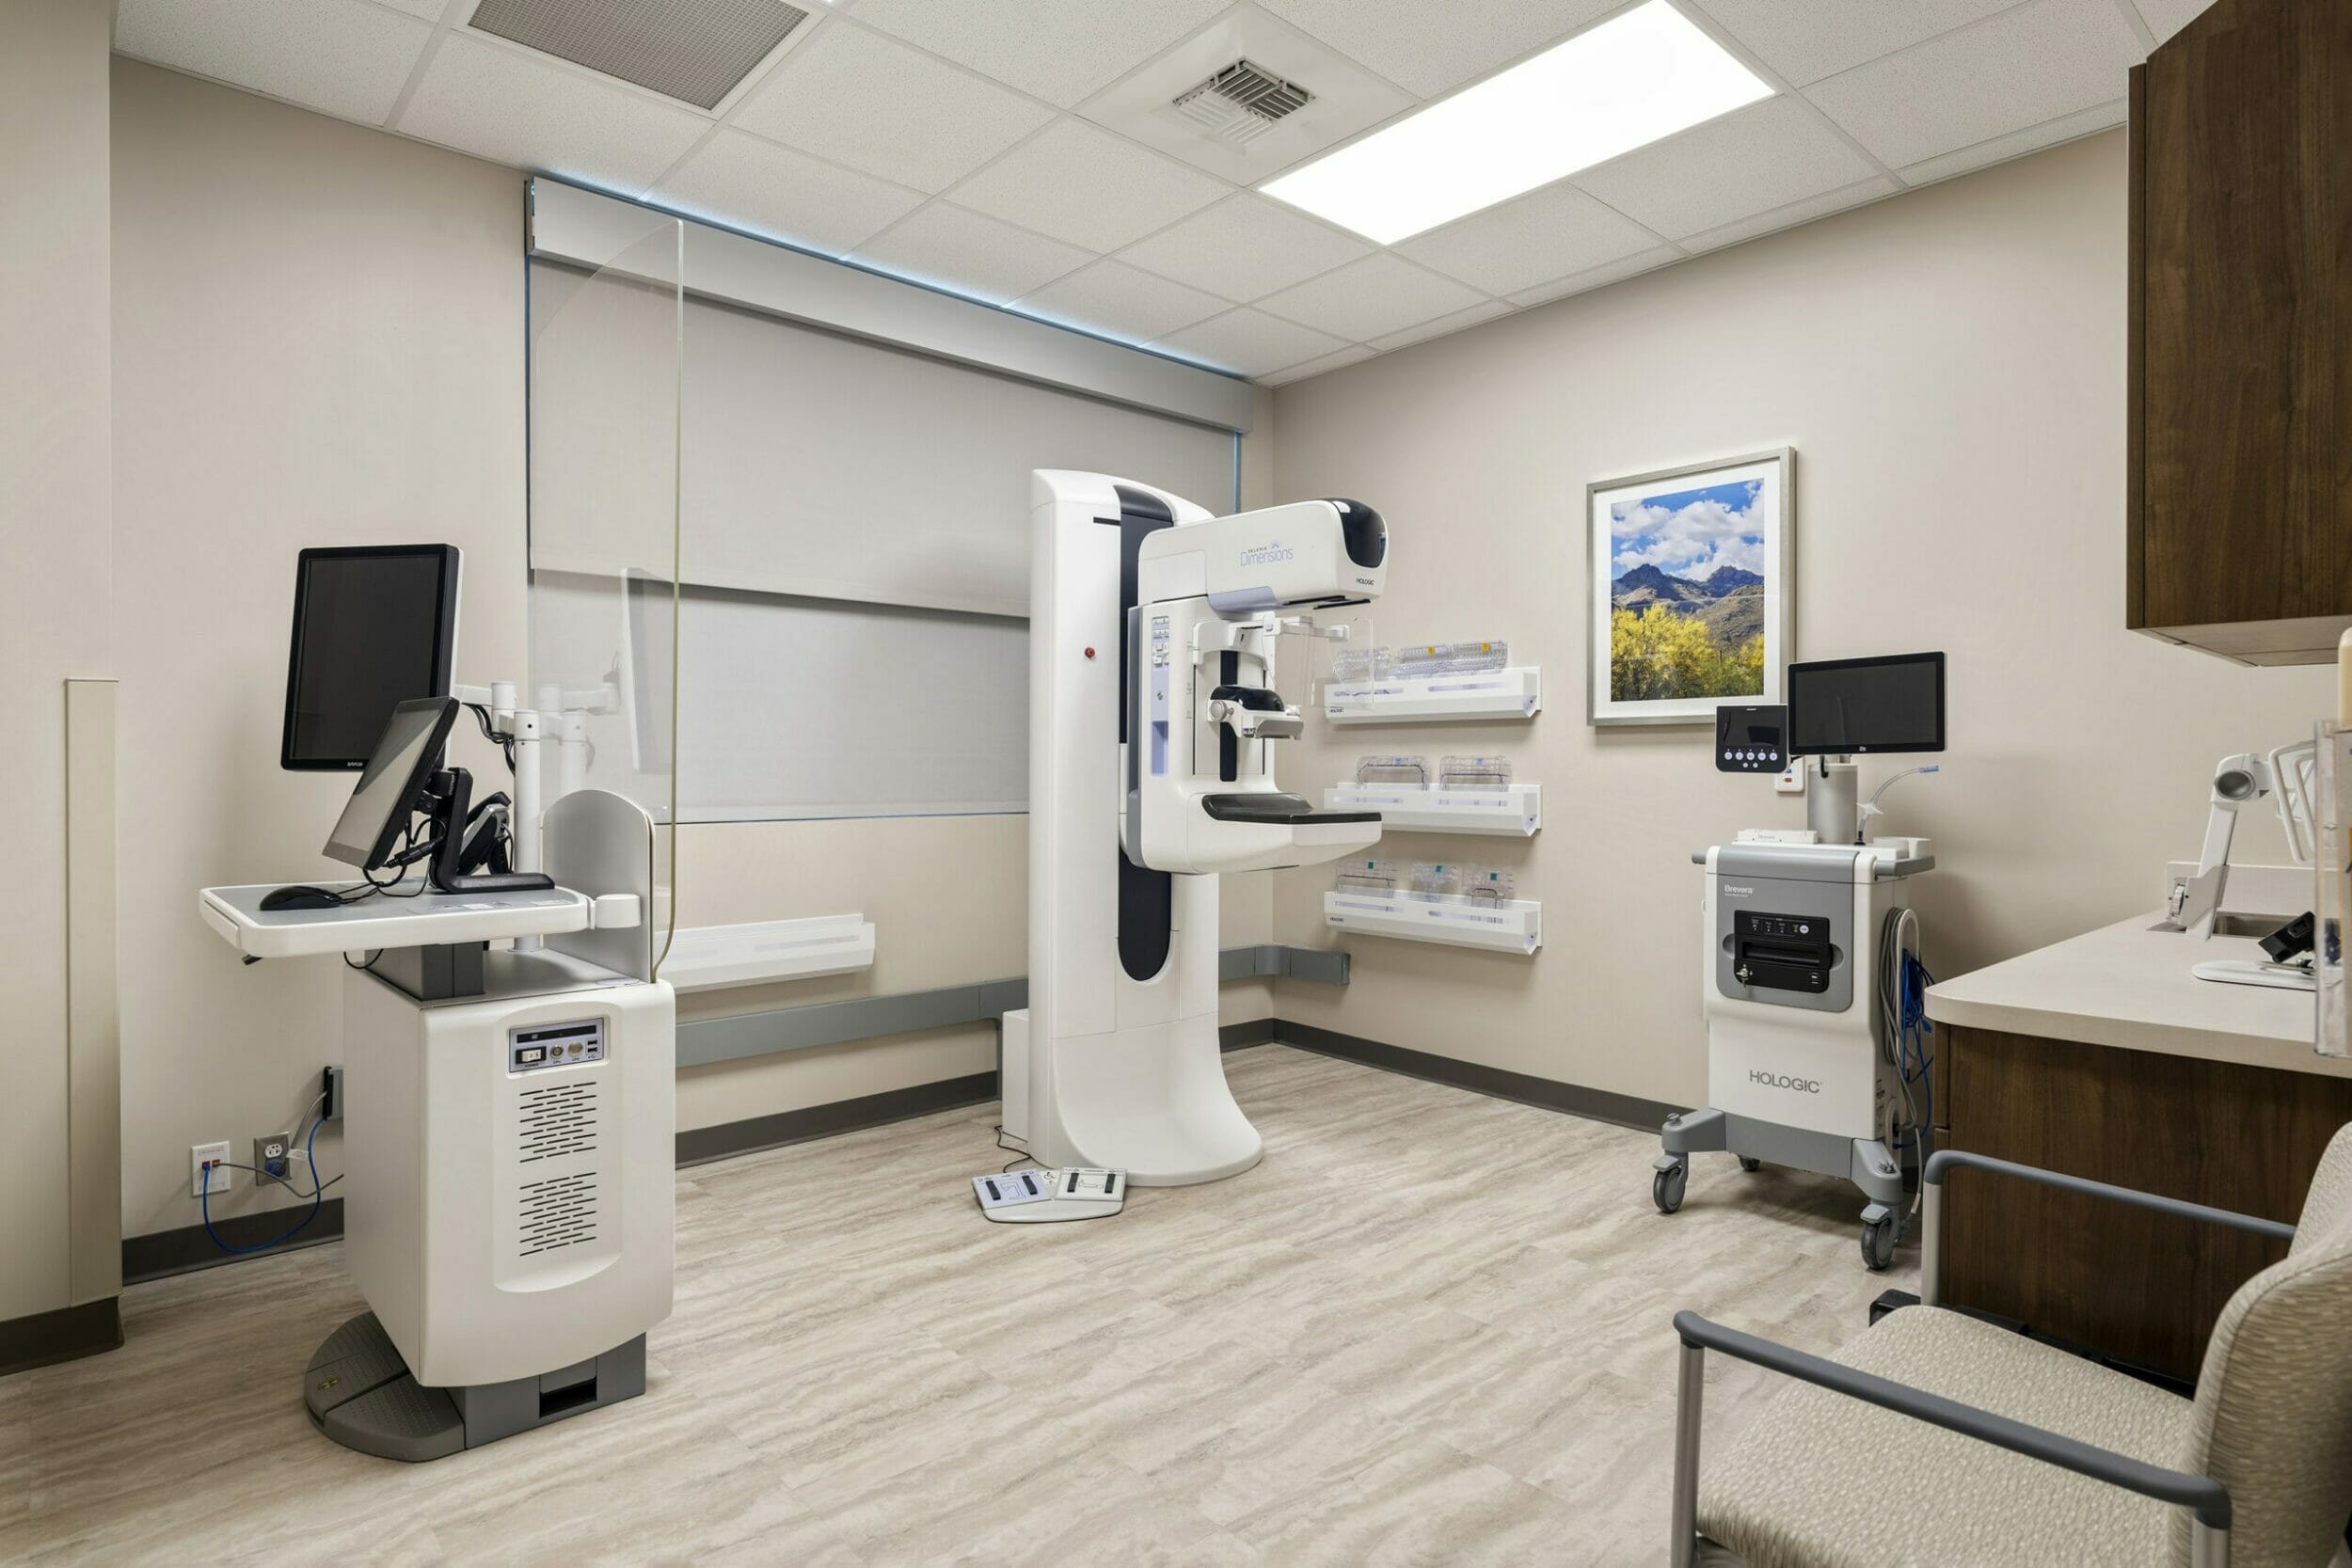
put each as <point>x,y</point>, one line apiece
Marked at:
<point>695,51</point>
<point>557,1120</point>
<point>1241,102</point>
<point>560,1211</point>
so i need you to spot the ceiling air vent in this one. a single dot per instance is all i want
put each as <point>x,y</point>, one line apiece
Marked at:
<point>1241,102</point>
<point>695,51</point>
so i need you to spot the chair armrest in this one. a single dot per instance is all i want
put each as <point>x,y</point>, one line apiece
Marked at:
<point>2207,1498</point>
<point>1943,1160</point>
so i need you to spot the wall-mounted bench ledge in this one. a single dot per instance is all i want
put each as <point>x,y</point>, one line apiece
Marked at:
<point>706,957</point>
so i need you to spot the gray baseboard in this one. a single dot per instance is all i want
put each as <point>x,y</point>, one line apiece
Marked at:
<point>1240,1037</point>
<point>1625,1110</point>
<point>65,1335</point>
<point>160,1254</point>
<point>169,1251</point>
<point>705,1144</point>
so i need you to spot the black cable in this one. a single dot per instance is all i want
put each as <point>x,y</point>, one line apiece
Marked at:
<point>285,1181</point>
<point>1024,1154</point>
<point>370,964</point>
<point>505,743</point>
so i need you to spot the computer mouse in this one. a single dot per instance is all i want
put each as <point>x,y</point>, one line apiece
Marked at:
<point>299,899</point>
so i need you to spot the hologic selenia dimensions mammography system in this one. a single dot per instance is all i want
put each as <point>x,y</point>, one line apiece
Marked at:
<point>508,1116</point>
<point>1809,969</point>
<point>1152,635</point>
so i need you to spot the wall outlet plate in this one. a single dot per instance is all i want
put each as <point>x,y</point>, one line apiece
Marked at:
<point>220,1175</point>
<point>273,1159</point>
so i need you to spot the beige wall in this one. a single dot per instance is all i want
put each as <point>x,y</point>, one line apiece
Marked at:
<point>320,341</point>
<point>56,619</point>
<point>1949,366</point>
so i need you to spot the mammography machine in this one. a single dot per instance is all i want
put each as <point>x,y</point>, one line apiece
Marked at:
<point>1809,969</point>
<point>507,1114</point>
<point>1153,706</point>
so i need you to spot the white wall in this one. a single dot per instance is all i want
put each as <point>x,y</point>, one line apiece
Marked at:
<point>320,339</point>
<point>1949,366</point>
<point>56,619</point>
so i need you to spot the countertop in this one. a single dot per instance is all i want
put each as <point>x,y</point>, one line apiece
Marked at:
<point>2130,986</point>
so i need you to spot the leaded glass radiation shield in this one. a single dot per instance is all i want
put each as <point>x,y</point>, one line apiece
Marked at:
<point>606,372</point>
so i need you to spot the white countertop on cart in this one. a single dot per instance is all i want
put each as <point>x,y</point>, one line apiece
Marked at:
<point>2129,987</point>
<point>391,921</point>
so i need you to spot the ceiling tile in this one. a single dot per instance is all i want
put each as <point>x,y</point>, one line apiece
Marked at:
<point>1593,278</point>
<point>2044,59</point>
<point>1349,356</point>
<point>1251,343</point>
<point>969,253</point>
<point>1547,233</point>
<point>514,108</point>
<point>2099,116</point>
<point>429,10</point>
<point>337,56</point>
<point>2167,17</point>
<point>1807,40</point>
<point>1244,247</point>
<point>1364,299</point>
<point>1088,187</point>
<point>1060,50</point>
<point>1793,213</point>
<point>1488,311</point>
<point>750,184</point>
<point>1429,49</point>
<point>1121,301</point>
<point>1750,161</point>
<point>864,100</point>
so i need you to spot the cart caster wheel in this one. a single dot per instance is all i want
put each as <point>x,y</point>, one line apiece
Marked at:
<point>1751,1166</point>
<point>1665,1188</point>
<point>1878,1244</point>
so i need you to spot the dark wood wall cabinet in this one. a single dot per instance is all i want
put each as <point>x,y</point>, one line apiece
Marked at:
<point>2240,439</point>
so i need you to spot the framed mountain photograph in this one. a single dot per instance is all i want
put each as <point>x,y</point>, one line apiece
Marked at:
<point>1692,573</point>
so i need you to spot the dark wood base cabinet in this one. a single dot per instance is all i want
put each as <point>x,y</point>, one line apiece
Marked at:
<point>2142,1288</point>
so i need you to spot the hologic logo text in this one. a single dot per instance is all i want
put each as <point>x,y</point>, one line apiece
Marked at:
<point>1783,1081</point>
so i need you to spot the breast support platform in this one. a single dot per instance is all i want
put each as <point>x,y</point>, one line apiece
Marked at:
<point>1153,712</point>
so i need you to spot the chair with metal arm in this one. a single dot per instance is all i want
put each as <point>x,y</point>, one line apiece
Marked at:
<point>1936,1437</point>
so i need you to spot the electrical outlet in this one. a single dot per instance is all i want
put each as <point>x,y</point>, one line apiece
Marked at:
<point>332,1108</point>
<point>208,1169</point>
<point>273,1158</point>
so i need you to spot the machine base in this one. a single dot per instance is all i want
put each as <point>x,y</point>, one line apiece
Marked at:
<point>359,1391</point>
<point>1864,1162</point>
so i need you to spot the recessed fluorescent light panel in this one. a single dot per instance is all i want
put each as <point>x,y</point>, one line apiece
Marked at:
<point>1637,77</point>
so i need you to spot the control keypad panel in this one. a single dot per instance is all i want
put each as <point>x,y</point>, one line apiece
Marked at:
<point>1751,739</point>
<point>535,1045</point>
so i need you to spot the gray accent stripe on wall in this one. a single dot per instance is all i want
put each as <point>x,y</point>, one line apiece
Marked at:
<point>704,1040</point>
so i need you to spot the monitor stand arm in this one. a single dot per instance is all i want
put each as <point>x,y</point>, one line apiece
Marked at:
<point>450,806</point>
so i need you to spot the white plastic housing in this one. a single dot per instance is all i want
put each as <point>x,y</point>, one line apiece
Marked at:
<point>504,1224</point>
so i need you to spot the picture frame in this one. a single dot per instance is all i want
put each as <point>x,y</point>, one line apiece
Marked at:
<point>1710,546</point>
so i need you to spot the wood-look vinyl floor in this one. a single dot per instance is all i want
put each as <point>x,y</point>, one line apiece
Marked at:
<point>1431,1328</point>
